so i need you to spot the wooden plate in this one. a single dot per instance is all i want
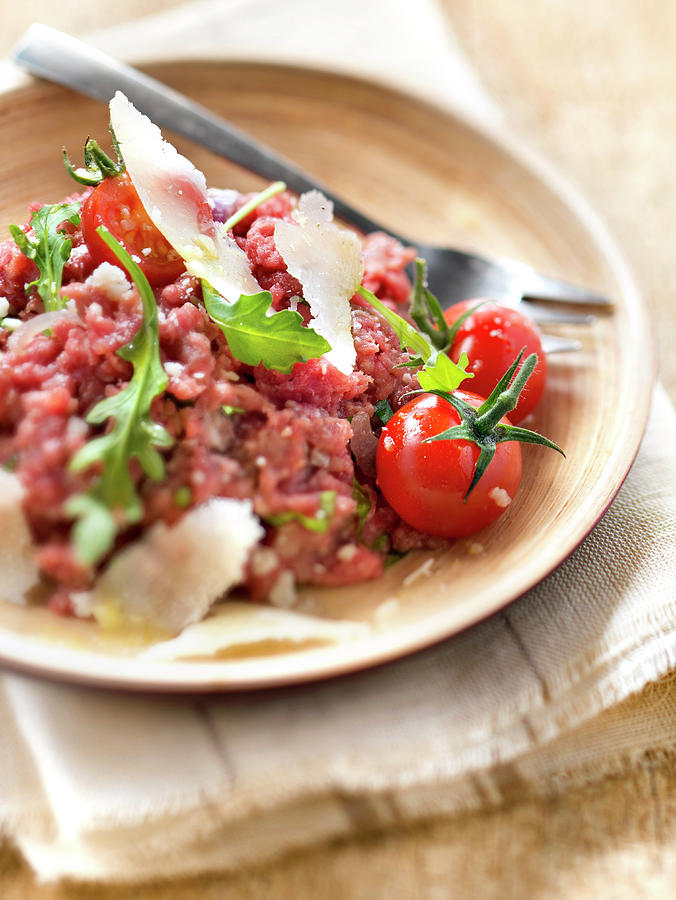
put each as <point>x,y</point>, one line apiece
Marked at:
<point>428,174</point>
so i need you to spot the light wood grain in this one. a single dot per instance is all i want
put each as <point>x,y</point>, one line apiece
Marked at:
<point>430,175</point>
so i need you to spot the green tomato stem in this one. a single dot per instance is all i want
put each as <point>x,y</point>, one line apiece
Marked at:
<point>507,399</point>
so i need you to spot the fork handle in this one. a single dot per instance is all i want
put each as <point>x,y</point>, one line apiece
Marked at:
<point>59,57</point>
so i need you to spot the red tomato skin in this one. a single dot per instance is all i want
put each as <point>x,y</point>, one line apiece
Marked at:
<point>426,483</point>
<point>115,204</point>
<point>492,338</point>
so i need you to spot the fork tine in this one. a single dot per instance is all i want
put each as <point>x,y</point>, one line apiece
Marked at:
<point>553,344</point>
<point>544,314</point>
<point>537,286</point>
<point>458,275</point>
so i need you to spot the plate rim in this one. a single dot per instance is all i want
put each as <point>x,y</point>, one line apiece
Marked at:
<point>236,675</point>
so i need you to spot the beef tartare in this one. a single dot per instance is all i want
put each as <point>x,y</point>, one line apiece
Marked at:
<point>193,385</point>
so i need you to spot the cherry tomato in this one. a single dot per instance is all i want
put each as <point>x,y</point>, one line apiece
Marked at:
<point>115,204</point>
<point>492,338</point>
<point>426,483</point>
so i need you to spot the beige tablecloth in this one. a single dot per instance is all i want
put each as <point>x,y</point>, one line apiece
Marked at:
<point>616,835</point>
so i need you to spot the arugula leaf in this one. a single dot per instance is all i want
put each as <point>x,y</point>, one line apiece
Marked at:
<point>49,249</point>
<point>113,502</point>
<point>275,188</point>
<point>318,523</point>
<point>438,370</point>
<point>277,341</point>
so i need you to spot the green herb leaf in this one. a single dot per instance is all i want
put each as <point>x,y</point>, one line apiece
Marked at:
<point>183,496</point>
<point>318,523</point>
<point>278,341</point>
<point>113,502</point>
<point>383,410</point>
<point>361,496</point>
<point>49,249</point>
<point>394,556</point>
<point>443,374</point>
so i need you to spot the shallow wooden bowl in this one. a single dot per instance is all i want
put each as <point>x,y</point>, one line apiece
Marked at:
<point>433,176</point>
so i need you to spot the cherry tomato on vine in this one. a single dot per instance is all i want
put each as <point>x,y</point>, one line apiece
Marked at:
<point>491,337</point>
<point>115,204</point>
<point>427,483</point>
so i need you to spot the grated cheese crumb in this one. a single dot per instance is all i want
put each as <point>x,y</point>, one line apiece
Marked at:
<point>319,458</point>
<point>173,368</point>
<point>111,280</point>
<point>500,497</point>
<point>264,561</point>
<point>347,552</point>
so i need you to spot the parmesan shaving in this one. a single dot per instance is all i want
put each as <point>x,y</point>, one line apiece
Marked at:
<point>174,194</point>
<point>171,577</point>
<point>18,569</point>
<point>327,260</point>
<point>245,624</point>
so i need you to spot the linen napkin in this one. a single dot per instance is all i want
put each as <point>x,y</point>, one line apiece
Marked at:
<point>106,786</point>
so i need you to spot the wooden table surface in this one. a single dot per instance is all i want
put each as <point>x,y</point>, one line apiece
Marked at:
<point>593,86</point>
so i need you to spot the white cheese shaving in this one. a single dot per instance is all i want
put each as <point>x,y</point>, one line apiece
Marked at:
<point>327,260</point>
<point>246,624</point>
<point>18,569</point>
<point>171,577</point>
<point>174,194</point>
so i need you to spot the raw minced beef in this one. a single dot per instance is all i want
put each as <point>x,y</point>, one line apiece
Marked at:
<point>286,441</point>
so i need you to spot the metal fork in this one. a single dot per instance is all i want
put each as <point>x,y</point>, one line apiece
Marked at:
<point>453,275</point>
